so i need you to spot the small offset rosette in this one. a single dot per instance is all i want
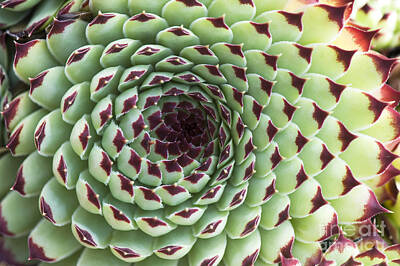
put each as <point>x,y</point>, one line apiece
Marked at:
<point>198,132</point>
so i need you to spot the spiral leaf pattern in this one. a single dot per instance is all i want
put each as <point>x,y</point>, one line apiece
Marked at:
<point>159,130</point>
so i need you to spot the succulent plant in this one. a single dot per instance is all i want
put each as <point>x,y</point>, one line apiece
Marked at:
<point>240,132</point>
<point>30,16</point>
<point>383,18</point>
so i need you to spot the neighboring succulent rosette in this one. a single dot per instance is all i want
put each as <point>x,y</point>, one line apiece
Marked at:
<point>197,132</point>
<point>382,18</point>
<point>32,16</point>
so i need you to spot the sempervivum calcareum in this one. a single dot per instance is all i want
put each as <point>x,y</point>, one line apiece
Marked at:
<point>197,132</point>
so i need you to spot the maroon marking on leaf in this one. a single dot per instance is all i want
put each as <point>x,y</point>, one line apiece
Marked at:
<point>300,141</point>
<point>106,163</point>
<point>85,236</point>
<point>146,142</point>
<point>343,56</point>
<point>116,48</point>
<point>14,140</point>
<point>36,252</point>
<point>375,106</point>
<point>276,158</point>
<point>211,227</point>
<point>366,8</point>
<point>251,226</point>
<point>335,14</point>
<point>383,65</point>
<point>317,201</point>
<point>225,154</point>
<point>84,137</point>
<point>163,132</point>
<point>59,26</point>
<point>101,19</point>
<point>325,156</point>
<point>289,261</point>
<point>297,82</point>
<point>189,78</point>
<point>154,120</point>
<point>332,228</point>
<point>7,255</point>
<point>248,148</point>
<point>205,165</point>
<point>172,166</point>
<point>286,250</point>
<point>372,207</point>
<point>218,22</point>
<point>174,189</point>
<point>169,250</point>
<point>10,112</point>
<point>210,111</point>
<point>187,213</point>
<point>150,195</point>
<point>213,70</point>
<point>92,196</point>
<point>335,89</point>
<point>142,17</point>
<point>388,175</point>
<point>69,101</point>
<point>3,225</point>
<point>169,107</point>
<point>225,114</point>
<point>103,81</point>
<point>190,3</point>
<point>304,52</point>
<point>257,109</point>
<point>349,182</point>
<point>262,28</point>
<point>249,172</point>
<point>37,25</point>
<point>105,115</point>
<point>240,127</point>
<point>271,60</point>
<point>62,169</point>
<point>119,141</point>
<point>19,184</point>
<point>176,61</point>
<point>238,96</point>
<point>251,259</point>
<point>203,50</point>
<point>301,177</point>
<point>153,169</point>
<point>184,160</point>
<point>210,261</point>
<point>269,191</point>
<point>216,91</point>
<point>247,2</point>
<point>361,37</point>
<point>352,262</point>
<point>40,134</point>
<point>78,55</point>
<point>272,130</point>
<point>283,216</point>
<point>179,31</point>
<point>235,49</point>
<point>158,79</point>
<point>45,209</point>
<point>148,51</point>
<point>294,19</point>
<point>138,126</point>
<point>126,253</point>
<point>22,50</point>
<point>240,72</point>
<point>118,215</point>
<point>211,193</point>
<point>154,222</point>
<point>288,109</point>
<point>135,75</point>
<point>385,157</point>
<point>345,136</point>
<point>209,150</point>
<point>238,198</point>
<point>126,184</point>
<point>135,161</point>
<point>194,178</point>
<point>266,85</point>
<point>37,81</point>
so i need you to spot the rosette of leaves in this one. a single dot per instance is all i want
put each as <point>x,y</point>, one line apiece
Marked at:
<point>32,16</point>
<point>383,18</point>
<point>197,132</point>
